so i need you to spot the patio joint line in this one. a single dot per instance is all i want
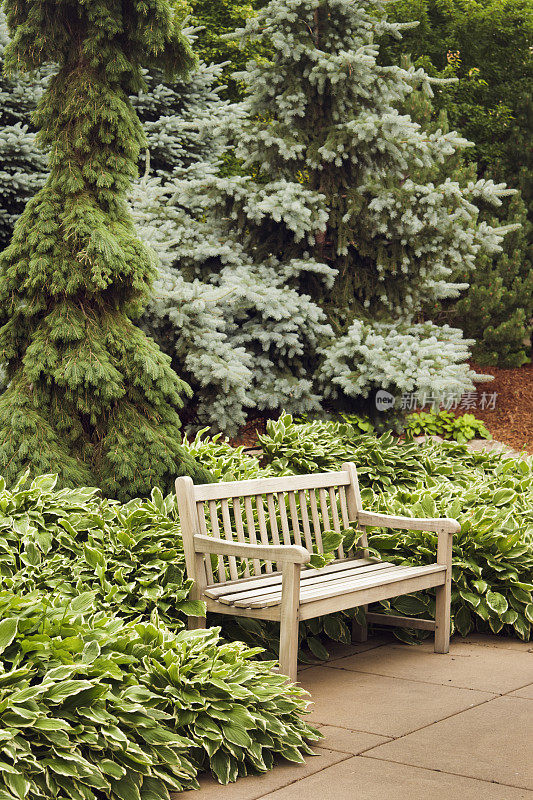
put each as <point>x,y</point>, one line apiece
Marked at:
<point>430,683</point>
<point>519,689</point>
<point>436,722</point>
<point>446,772</point>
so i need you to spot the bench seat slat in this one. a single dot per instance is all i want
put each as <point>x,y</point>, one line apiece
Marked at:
<point>381,577</point>
<point>264,592</point>
<point>274,578</point>
<point>329,580</point>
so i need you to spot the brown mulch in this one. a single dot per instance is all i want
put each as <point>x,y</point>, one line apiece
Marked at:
<point>247,436</point>
<point>510,421</point>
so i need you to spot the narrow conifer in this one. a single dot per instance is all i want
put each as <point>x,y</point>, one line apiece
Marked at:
<point>89,395</point>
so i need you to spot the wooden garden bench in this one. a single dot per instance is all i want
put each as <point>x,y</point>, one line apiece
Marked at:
<point>247,543</point>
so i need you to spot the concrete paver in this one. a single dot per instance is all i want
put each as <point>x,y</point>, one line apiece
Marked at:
<point>255,786</point>
<point>491,742</point>
<point>466,665</point>
<point>402,723</point>
<point>382,705</point>
<point>361,778</point>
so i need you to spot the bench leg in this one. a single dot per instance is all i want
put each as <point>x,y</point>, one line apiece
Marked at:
<point>290,602</point>
<point>360,631</point>
<point>196,623</point>
<point>442,618</point>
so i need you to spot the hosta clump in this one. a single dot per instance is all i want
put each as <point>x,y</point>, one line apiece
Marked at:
<point>321,445</point>
<point>92,707</point>
<point>72,540</point>
<point>492,574</point>
<point>225,463</point>
<point>443,423</point>
<point>74,720</point>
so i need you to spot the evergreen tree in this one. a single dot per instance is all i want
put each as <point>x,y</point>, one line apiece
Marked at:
<point>89,395</point>
<point>22,165</point>
<point>182,120</point>
<point>337,212</point>
<point>496,307</point>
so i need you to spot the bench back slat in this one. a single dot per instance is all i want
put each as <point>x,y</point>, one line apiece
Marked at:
<point>295,509</point>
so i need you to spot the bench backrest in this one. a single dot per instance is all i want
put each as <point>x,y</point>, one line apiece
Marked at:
<point>294,509</point>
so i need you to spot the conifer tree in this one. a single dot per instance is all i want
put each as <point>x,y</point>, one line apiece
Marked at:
<point>22,165</point>
<point>323,132</point>
<point>497,309</point>
<point>89,395</point>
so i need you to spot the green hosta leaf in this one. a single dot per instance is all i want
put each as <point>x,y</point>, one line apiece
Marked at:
<point>90,652</point>
<point>319,560</point>
<point>83,602</point>
<point>154,789</point>
<point>496,602</point>
<point>410,605</point>
<point>510,616</point>
<point>292,754</point>
<point>335,628</point>
<point>471,598</point>
<point>192,608</point>
<point>495,624</point>
<point>331,541</point>
<point>503,497</point>
<point>522,627</point>
<point>44,482</point>
<point>17,784</point>
<point>93,557</point>
<point>350,537</point>
<point>463,621</point>
<point>8,631</point>
<point>126,788</point>
<point>236,735</point>
<point>317,648</point>
<point>61,691</point>
<point>528,612</point>
<point>521,594</point>
<point>221,766</point>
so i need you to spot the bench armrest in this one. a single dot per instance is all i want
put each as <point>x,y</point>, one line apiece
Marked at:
<point>442,525</point>
<point>284,553</point>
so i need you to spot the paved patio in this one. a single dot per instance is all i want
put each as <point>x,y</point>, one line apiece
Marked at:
<point>401,723</point>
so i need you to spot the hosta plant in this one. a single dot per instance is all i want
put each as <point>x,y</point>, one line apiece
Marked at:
<point>492,577</point>
<point>92,707</point>
<point>443,423</point>
<point>72,540</point>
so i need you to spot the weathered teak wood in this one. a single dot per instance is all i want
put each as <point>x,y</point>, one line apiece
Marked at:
<point>261,534</point>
